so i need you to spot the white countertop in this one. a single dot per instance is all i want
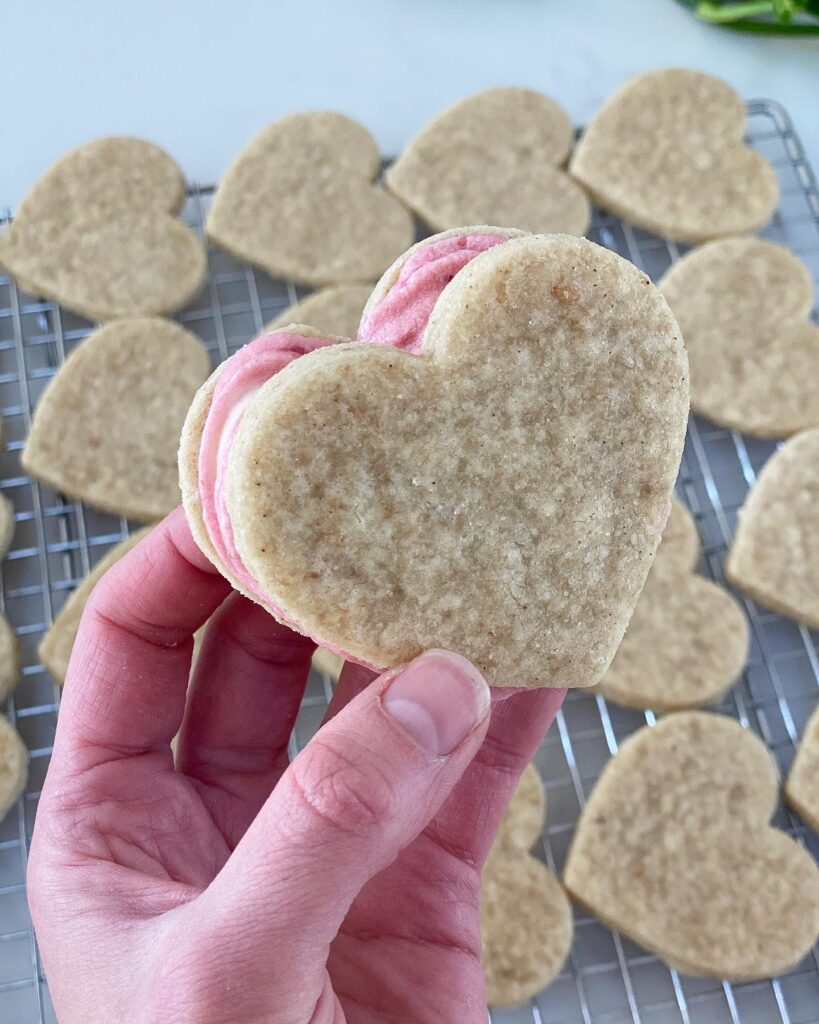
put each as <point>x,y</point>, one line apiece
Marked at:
<point>201,77</point>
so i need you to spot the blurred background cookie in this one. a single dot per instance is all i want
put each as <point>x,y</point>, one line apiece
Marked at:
<point>666,152</point>
<point>300,202</point>
<point>802,785</point>
<point>13,766</point>
<point>99,233</point>
<point>335,310</point>
<point>743,304</point>
<point>526,917</point>
<point>496,157</point>
<point>774,557</point>
<point>687,640</point>
<point>57,643</point>
<point>106,429</point>
<point>674,850</point>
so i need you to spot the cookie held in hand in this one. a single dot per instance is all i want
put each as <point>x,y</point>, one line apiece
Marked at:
<point>774,557</point>
<point>688,638</point>
<point>494,158</point>
<point>526,917</point>
<point>489,474</point>
<point>674,850</point>
<point>300,202</point>
<point>106,429</point>
<point>666,153</point>
<point>99,233</point>
<point>743,306</point>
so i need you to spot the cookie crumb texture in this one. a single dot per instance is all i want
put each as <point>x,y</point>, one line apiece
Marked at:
<point>501,495</point>
<point>666,152</point>
<point>775,554</point>
<point>107,427</point>
<point>674,850</point>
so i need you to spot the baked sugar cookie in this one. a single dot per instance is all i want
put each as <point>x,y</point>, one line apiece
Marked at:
<point>6,524</point>
<point>300,202</point>
<point>774,557</point>
<point>526,927</point>
<point>328,663</point>
<point>335,311</point>
<point>493,158</point>
<point>522,823</point>
<point>56,646</point>
<point>802,787</point>
<point>106,429</point>
<point>10,666</point>
<point>679,549</point>
<point>674,850</point>
<point>490,473</point>
<point>742,304</point>
<point>666,153</point>
<point>13,766</point>
<point>99,233</point>
<point>688,638</point>
<point>526,918</point>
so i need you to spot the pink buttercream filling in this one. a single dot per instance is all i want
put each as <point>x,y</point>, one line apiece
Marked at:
<point>400,320</point>
<point>243,375</point>
<point>401,317</point>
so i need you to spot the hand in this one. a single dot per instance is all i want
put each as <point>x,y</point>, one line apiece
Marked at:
<point>231,887</point>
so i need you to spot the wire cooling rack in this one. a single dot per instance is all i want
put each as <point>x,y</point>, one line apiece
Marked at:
<point>608,980</point>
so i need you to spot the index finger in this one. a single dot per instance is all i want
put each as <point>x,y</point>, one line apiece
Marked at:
<point>128,675</point>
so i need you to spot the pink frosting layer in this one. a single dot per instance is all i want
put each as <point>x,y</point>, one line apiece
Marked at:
<point>401,317</point>
<point>243,375</point>
<point>400,320</point>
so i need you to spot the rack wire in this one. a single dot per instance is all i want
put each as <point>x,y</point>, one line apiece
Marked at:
<point>608,979</point>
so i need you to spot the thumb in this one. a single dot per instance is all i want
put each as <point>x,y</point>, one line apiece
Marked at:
<point>363,788</point>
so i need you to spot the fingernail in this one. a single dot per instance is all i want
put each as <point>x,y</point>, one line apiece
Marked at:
<point>438,699</point>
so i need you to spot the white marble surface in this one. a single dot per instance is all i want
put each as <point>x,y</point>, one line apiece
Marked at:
<point>200,77</point>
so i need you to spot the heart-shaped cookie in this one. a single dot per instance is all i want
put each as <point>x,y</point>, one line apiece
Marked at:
<point>774,557</point>
<point>335,311</point>
<point>13,766</point>
<point>742,304</point>
<point>666,152</point>
<point>674,850</point>
<point>802,787</point>
<point>526,917</point>
<point>299,201</point>
<point>58,642</point>
<point>106,429</point>
<point>500,493</point>
<point>688,638</point>
<point>493,158</point>
<point>98,233</point>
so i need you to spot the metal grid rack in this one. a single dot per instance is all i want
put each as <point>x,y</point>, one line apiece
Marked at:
<point>608,980</point>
